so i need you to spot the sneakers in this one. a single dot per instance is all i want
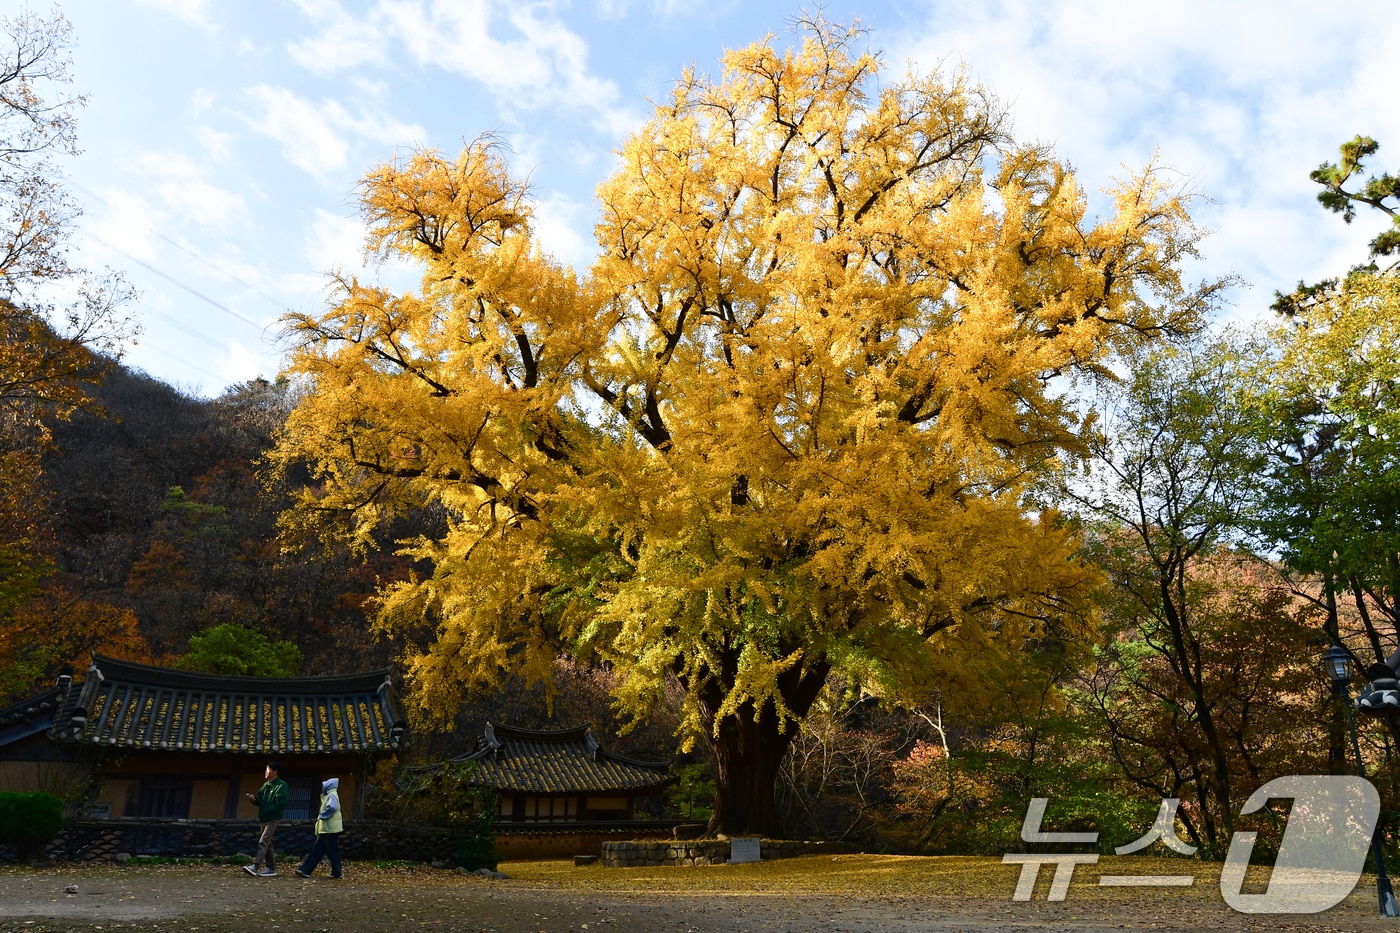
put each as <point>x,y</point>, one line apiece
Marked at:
<point>267,873</point>
<point>251,870</point>
<point>301,874</point>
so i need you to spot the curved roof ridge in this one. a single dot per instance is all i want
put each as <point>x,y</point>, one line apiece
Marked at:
<point>122,704</point>
<point>575,733</point>
<point>113,669</point>
<point>638,762</point>
<point>49,699</point>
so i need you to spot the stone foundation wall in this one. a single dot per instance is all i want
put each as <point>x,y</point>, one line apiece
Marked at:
<point>640,853</point>
<point>547,843</point>
<point>107,840</point>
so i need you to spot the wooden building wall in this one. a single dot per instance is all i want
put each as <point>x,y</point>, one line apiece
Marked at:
<point>215,785</point>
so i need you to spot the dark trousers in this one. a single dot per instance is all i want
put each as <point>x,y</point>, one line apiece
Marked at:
<point>327,845</point>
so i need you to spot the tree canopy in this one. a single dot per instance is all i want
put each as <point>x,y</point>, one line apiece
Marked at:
<point>1379,191</point>
<point>1325,400</point>
<point>231,648</point>
<point>49,359</point>
<point>790,421</point>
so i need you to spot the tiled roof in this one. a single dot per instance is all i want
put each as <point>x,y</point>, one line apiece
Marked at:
<point>565,761</point>
<point>138,707</point>
<point>33,715</point>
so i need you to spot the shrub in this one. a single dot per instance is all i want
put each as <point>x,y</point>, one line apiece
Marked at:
<point>477,848</point>
<point>29,822</point>
<point>442,796</point>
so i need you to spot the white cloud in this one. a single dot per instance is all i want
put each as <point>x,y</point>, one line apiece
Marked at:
<point>334,243</point>
<point>620,9</point>
<point>1243,98</point>
<point>308,139</point>
<point>303,290</point>
<point>313,136</point>
<point>344,42</point>
<point>215,142</point>
<point>521,52</point>
<point>243,363</point>
<point>180,184</point>
<point>613,9</point>
<point>556,223</point>
<point>194,12</point>
<point>200,101</point>
<point>128,224</point>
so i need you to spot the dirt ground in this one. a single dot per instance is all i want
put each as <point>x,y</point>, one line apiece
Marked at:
<point>845,894</point>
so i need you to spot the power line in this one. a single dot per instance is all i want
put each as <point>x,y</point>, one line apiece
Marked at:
<point>189,251</point>
<point>183,362</point>
<point>177,283</point>
<point>191,331</point>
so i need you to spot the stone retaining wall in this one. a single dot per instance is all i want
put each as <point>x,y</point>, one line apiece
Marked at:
<point>106,840</point>
<point>640,853</point>
<point>559,841</point>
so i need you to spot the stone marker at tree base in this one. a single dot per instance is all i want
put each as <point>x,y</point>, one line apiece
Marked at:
<point>744,849</point>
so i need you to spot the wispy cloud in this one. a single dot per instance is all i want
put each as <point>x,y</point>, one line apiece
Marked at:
<point>557,222</point>
<point>621,9</point>
<point>127,223</point>
<point>215,142</point>
<point>240,360</point>
<point>345,40</point>
<point>194,12</point>
<point>316,137</point>
<point>1243,98</point>
<point>521,52</point>
<point>335,243</point>
<point>184,189</point>
<point>309,140</point>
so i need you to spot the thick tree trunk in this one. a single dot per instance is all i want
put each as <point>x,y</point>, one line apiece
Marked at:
<point>749,746</point>
<point>747,757</point>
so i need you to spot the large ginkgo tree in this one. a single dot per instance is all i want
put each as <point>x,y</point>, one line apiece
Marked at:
<point>790,421</point>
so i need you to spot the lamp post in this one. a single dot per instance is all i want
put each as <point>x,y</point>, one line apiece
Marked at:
<point>1338,666</point>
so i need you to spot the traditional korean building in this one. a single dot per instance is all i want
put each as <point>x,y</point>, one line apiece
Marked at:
<point>561,793</point>
<point>29,759</point>
<point>561,776</point>
<point>182,745</point>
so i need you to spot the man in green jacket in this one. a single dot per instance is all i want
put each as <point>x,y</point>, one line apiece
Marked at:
<point>271,800</point>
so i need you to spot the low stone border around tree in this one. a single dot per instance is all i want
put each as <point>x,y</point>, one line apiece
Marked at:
<point>644,852</point>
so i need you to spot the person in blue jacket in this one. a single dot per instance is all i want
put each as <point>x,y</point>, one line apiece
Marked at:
<point>328,829</point>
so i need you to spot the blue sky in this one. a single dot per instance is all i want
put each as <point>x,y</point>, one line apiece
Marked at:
<point>223,140</point>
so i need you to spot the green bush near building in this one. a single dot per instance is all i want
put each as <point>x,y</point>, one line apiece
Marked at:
<point>29,822</point>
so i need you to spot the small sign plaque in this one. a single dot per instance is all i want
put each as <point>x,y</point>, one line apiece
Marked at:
<point>744,849</point>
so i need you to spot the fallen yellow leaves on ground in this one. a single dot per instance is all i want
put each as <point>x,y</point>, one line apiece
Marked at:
<point>962,877</point>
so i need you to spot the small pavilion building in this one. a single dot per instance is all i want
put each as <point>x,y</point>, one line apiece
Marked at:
<point>561,776</point>
<point>561,793</point>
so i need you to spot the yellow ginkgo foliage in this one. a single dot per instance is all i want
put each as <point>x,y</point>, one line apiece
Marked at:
<point>789,422</point>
